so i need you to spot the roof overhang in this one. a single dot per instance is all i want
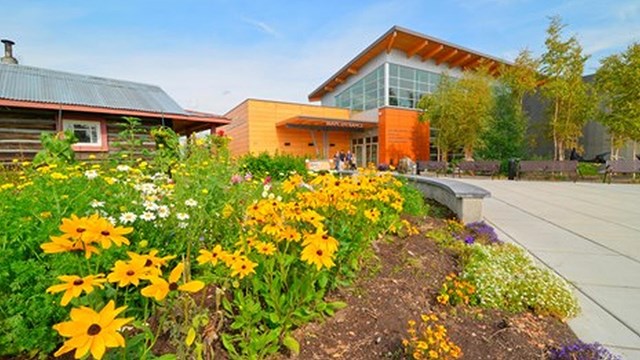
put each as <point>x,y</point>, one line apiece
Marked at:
<point>329,124</point>
<point>192,120</point>
<point>412,44</point>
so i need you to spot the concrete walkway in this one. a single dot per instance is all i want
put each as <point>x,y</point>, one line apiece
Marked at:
<point>588,233</point>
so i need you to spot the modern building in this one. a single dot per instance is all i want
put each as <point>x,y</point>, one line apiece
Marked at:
<point>368,106</point>
<point>35,101</point>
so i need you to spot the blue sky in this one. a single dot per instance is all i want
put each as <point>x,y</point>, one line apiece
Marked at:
<point>210,55</point>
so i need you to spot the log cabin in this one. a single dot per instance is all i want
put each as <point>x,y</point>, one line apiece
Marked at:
<point>36,100</point>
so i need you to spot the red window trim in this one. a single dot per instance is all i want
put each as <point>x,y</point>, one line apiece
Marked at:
<point>103,147</point>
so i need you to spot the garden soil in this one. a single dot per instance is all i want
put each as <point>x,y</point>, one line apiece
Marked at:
<point>401,284</point>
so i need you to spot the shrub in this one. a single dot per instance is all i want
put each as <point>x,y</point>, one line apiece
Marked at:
<point>506,278</point>
<point>414,203</point>
<point>277,167</point>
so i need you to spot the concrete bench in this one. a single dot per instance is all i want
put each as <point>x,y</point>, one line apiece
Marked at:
<point>620,167</point>
<point>548,167</point>
<point>433,166</point>
<point>465,200</point>
<point>490,168</point>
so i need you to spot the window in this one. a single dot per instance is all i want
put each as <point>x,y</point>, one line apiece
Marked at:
<point>89,133</point>
<point>407,85</point>
<point>366,93</point>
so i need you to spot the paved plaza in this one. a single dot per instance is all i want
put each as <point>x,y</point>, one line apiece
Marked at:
<point>588,233</point>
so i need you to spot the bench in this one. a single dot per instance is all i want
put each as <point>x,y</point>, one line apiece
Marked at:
<point>490,168</point>
<point>434,166</point>
<point>620,167</point>
<point>548,167</point>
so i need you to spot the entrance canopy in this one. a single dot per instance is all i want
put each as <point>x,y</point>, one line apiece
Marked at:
<point>326,124</point>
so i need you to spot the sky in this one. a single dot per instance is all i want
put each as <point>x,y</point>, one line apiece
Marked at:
<point>210,55</point>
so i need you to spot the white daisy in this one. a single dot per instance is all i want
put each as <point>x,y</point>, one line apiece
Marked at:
<point>191,203</point>
<point>163,211</point>
<point>182,216</point>
<point>111,220</point>
<point>91,174</point>
<point>128,217</point>
<point>96,204</point>
<point>183,225</point>
<point>148,216</point>
<point>123,168</point>
<point>150,206</point>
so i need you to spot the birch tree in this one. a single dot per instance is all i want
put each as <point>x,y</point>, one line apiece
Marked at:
<point>570,102</point>
<point>618,85</point>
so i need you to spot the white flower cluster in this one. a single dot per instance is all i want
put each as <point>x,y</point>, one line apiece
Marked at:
<point>506,278</point>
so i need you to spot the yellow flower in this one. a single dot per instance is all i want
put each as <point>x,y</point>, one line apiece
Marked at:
<point>227,211</point>
<point>159,287</point>
<point>105,233</point>
<point>372,214</point>
<point>92,331</point>
<point>76,228</point>
<point>131,272</point>
<point>242,267</point>
<point>317,255</point>
<point>322,240</point>
<point>60,244</point>
<point>211,256</point>
<point>151,259</point>
<point>433,354</point>
<point>265,248</point>
<point>74,285</point>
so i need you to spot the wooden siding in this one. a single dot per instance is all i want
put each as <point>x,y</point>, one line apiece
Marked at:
<point>400,134</point>
<point>20,134</point>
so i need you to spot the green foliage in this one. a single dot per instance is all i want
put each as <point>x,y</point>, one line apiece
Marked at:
<point>278,166</point>
<point>460,111</point>
<point>506,278</point>
<point>618,82</point>
<point>414,202</point>
<point>570,99</point>
<point>589,169</point>
<point>56,148</point>
<point>505,135</point>
<point>167,147</point>
<point>130,140</point>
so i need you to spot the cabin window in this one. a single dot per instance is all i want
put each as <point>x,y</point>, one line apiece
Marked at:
<point>89,133</point>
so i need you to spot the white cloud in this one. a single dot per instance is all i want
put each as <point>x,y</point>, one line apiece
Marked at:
<point>262,26</point>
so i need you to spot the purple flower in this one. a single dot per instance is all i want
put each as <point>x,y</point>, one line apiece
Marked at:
<point>481,230</point>
<point>582,351</point>
<point>236,179</point>
<point>469,239</point>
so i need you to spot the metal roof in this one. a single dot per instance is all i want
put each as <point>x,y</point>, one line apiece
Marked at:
<point>25,83</point>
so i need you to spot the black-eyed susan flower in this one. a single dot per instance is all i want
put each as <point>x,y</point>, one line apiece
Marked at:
<point>90,331</point>
<point>264,248</point>
<point>151,259</point>
<point>242,267</point>
<point>76,228</point>
<point>105,233</point>
<point>317,255</point>
<point>322,240</point>
<point>74,285</point>
<point>160,288</point>
<point>131,272</point>
<point>60,244</point>
<point>372,214</point>
<point>212,256</point>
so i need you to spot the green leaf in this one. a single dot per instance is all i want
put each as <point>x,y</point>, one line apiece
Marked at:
<point>337,305</point>
<point>291,344</point>
<point>191,336</point>
<point>167,357</point>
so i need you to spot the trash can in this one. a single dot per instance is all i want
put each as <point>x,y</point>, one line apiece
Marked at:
<point>512,171</point>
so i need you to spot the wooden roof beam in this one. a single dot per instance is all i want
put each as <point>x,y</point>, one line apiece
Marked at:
<point>391,41</point>
<point>493,69</point>
<point>448,55</point>
<point>470,63</point>
<point>352,71</point>
<point>459,61</point>
<point>339,80</point>
<point>417,49</point>
<point>328,88</point>
<point>432,52</point>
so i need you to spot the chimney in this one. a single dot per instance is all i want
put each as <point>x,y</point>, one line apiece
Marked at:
<point>8,53</point>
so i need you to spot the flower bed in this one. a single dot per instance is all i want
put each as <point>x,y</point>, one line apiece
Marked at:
<point>190,260</point>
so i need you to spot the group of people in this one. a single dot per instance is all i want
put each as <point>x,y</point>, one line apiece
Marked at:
<point>344,161</point>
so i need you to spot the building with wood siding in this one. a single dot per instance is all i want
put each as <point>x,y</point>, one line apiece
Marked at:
<point>368,106</point>
<point>35,101</point>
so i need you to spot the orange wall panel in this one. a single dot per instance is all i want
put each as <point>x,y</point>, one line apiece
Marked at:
<point>238,129</point>
<point>400,134</point>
